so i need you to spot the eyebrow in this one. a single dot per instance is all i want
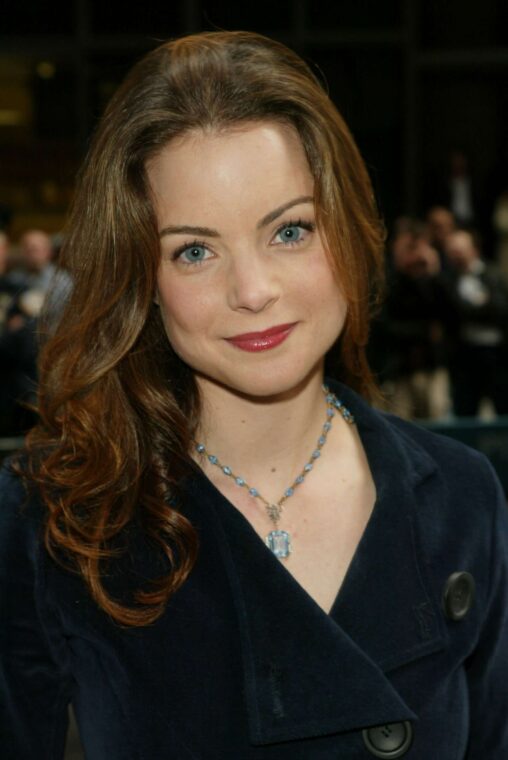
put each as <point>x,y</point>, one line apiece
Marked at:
<point>272,216</point>
<point>186,229</point>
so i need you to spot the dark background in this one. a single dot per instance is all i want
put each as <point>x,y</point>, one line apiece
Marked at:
<point>414,79</point>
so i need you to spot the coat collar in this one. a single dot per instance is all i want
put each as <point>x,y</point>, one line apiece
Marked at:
<point>386,582</point>
<point>383,616</point>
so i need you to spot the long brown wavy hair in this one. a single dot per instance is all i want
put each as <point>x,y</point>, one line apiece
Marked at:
<point>117,407</point>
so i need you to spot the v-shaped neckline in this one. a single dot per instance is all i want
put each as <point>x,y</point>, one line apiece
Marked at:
<point>378,478</point>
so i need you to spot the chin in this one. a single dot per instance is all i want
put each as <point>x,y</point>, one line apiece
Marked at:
<point>266,383</point>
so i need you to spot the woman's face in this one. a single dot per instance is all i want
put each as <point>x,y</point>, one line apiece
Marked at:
<point>246,292</point>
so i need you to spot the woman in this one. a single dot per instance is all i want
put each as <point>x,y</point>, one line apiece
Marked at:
<point>205,552</point>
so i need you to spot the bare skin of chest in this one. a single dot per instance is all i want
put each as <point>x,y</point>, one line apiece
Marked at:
<point>326,518</point>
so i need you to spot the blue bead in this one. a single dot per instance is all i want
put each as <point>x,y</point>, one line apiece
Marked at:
<point>330,398</point>
<point>330,413</point>
<point>239,481</point>
<point>200,448</point>
<point>321,440</point>
<point>226,470</point>
<point>288,492</point>
<point>253,492</point>
<point>308,467</point>
<point>316,454</point>
<point>337,404</point>
<point>327,426</point>
<point>300,479</point>
<point>213,459</point>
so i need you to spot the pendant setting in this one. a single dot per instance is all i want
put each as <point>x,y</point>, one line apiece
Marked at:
<point>279,543</point>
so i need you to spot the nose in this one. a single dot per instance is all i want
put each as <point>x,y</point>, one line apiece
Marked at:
<point>253,285</point>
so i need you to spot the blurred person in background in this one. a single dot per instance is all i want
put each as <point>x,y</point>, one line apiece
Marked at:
<point>441,223</point>
<point>4,251</point>
<point>462,201</point>
<point>411,329</point>
<point>7,288</point>
<point>40,272</point>
<point>455,188</point>
<point>36,253</point>
<point>500,225</point>
<point>18,363</point>
<point>22,293</point>
<point>479,298</point>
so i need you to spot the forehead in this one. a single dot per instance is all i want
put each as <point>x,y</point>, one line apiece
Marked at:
<point>35,238</point>
<point>441,217</point>
<point>460,240</point>
<point>246,167</point>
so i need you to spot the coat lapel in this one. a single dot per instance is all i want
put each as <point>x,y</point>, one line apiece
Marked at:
<point>307,673</point>
<point>385,603</point>
<point>303,675</point>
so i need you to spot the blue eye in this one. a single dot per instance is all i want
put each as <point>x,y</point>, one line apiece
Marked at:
<point>290,234</point>
<point>192,254</point>
<point>294,233</point>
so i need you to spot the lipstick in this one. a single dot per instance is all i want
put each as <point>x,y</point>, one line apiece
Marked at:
<point>262,341</point>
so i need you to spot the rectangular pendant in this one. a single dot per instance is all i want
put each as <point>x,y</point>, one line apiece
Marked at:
<point>279,542</point>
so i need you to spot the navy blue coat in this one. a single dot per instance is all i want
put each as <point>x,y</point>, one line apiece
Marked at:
<point>244,664</point>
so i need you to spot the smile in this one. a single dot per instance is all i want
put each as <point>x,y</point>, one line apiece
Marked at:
<point>262,341</point>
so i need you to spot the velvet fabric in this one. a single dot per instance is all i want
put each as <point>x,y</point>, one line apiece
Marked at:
<point>244,664</point>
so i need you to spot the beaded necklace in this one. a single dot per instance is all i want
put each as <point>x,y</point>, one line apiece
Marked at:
<point>279,541</point>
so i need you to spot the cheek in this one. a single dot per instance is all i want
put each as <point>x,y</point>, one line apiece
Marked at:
<point>323,294</point>
<point>184,312</point>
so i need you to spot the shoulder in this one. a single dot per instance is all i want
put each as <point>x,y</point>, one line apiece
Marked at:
<point>461,481</point>
<point>449,469</point>
<point>451,457</point>
<point>12,488</point>
<point>21,513</point>
<point>455,503</point>
<point>459,503</point>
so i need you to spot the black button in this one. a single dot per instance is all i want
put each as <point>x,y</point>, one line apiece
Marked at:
<point>458,595</point>
<point>392,740</point>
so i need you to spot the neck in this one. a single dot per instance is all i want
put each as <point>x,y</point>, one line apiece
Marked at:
<point>265,440</point>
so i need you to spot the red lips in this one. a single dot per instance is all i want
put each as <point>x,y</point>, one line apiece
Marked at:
<point>262,341</point>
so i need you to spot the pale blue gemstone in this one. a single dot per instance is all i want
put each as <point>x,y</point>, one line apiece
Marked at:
<point>330,398</point>
<point>321,440</point>
<point>288,492</point>
<point>330,413</point>
<point>308,467</point>
<point>279,542</point>
<point>316,454</point>
<point>226,470</point>
<point>253,492</point>
<point>337,403</point>
<point>213,459</point>
<point>239,481</point>
<point>200,448</point>
<point>300,479</point>
<point>327,426</point>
